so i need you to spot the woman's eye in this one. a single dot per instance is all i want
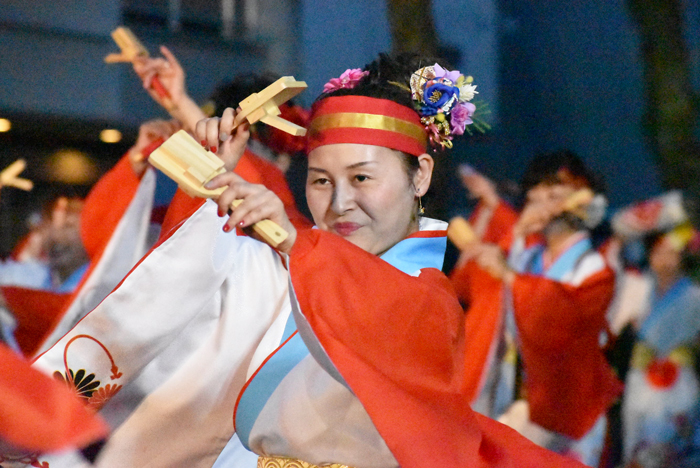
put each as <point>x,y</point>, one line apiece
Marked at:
<point>321,181</point>
<point>361,178</point>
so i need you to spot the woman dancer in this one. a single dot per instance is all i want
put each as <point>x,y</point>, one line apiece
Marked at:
<point>344,347</point>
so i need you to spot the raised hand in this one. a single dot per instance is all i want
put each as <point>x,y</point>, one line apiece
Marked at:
<point>167,73</point>
<point>149,133</point>
<point>258,204</point>
<point>479,187</point>
<point>491,258</point>
<point>167,70</point>
<point>216,135</point>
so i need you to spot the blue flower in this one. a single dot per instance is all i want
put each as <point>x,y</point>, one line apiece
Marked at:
<point>438,97</point>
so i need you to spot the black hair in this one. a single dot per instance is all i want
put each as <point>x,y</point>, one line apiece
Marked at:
<point>544,168</point>
<point>689,261</point>
<point>231,93</point>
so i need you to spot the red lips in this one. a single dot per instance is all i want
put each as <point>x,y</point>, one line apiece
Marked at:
<point>345,229</point>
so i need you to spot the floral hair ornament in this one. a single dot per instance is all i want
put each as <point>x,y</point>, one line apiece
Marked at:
<point>347,80</point>
<point>438,94</point>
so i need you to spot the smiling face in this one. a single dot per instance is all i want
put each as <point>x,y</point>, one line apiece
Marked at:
<point>364,193</point>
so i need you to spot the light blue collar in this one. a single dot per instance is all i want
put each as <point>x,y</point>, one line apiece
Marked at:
<point>415,253</point>
<point>564,264</point>
<point>69,285</point>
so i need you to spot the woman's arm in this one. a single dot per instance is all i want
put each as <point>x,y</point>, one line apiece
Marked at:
<point>172,77</point>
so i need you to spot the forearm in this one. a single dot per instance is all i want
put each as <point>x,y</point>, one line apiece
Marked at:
<point>188,113</point>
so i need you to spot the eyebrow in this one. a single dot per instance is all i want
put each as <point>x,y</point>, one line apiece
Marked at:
<point>351,166</point>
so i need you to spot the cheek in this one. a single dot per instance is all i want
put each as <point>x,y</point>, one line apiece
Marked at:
<point>318,202</point>
<point>390,204</point>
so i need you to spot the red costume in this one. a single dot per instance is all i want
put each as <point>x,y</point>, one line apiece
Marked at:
<point>39,414</point>
<point>568,382</point>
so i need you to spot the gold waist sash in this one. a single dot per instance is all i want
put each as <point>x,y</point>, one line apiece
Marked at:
<point>281,462</point>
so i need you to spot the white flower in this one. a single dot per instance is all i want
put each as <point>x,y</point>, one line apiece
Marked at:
<point>467,92</point>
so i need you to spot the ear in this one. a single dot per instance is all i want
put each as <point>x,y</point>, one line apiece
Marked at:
<point>424,174</point>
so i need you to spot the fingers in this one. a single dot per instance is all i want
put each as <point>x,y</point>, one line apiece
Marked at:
<point>206,131</point>
<point>491,259</point>
<point>174,125</point>
<point>236,146</point>
<point>150,66</point>
<point>213,134</point>
<point>256,202</point>
<point>209,132</point>
<point>469,252</point>
<point>170,57</point>
<point>157,127</point>
<point>255,207</point>
<point>227,119</point>
<point>223,180</point>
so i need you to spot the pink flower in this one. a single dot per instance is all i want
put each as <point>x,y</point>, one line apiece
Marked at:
<point>348,80</point>
<point>461,116</point>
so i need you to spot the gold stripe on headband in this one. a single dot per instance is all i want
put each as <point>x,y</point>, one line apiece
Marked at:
<point>371,121</point>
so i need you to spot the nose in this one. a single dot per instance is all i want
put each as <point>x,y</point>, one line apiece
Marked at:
<point>343,199</point>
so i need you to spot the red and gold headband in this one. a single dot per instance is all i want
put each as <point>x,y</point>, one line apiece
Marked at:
<point>368,121</point>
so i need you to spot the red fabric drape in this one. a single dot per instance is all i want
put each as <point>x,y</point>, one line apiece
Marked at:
<point>40,414</point>
<point>37,313</point>
<point>569,383</point>
<point>399,342</point>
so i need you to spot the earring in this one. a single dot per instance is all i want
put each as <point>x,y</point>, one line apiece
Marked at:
<point>421,210</point>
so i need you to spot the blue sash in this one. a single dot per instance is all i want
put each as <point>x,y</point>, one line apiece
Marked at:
<point>564,264</point>
<point>674,318</point>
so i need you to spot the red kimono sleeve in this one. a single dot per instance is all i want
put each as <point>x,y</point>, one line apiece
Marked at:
<point>39,312</point>
<point>105,206</point>
<point>482,296</point>
<point>569,383</point>
<point>499,229</point>
<point>398,341</point>
<point>500,226</point>
<point>40,414</point>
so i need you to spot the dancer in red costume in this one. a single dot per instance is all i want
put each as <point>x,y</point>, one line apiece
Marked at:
<point>545,301</point>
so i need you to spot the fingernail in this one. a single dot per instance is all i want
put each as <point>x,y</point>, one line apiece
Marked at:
<point>204,143</point>
<point>241,223</point>
<point>218,212</point>
<point>213,149</point>
<point>223,136</point>
<point>227,228</point>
